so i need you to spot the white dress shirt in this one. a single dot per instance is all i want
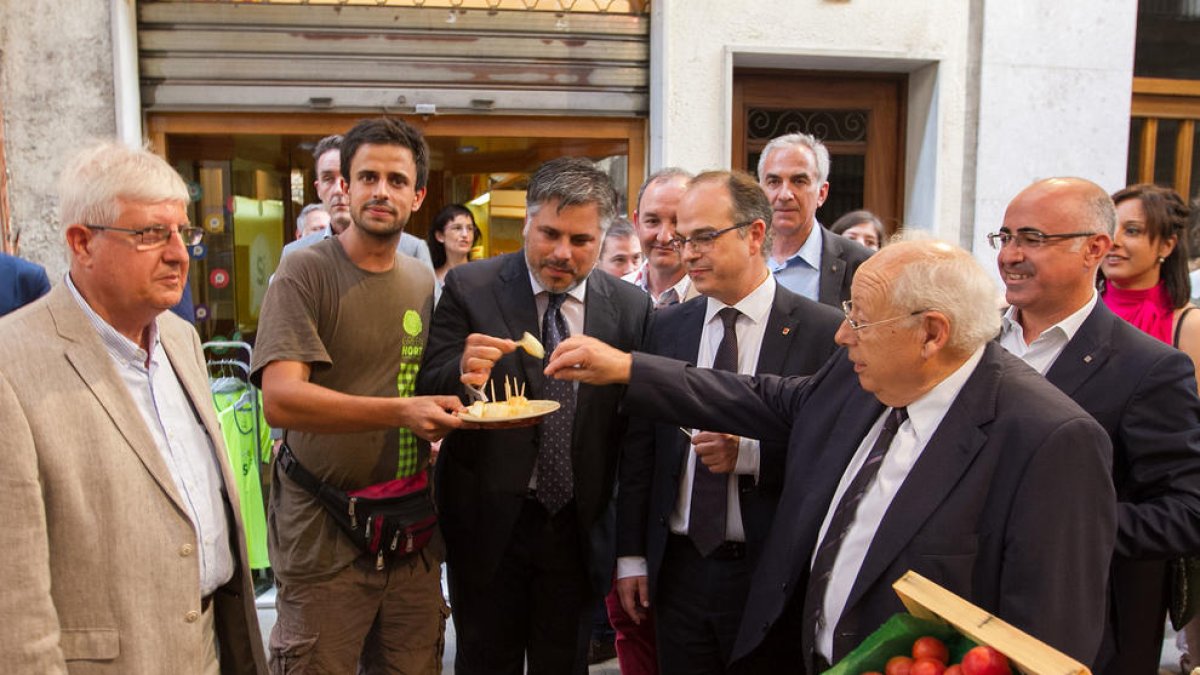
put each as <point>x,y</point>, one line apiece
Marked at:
<point>751,326</point>
<point>1045,348</point>
<point>641,278</point>
<point>924,416</point>
<point>180,437</point>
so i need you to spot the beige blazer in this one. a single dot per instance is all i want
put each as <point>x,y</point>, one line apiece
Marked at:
<point>98,564</point>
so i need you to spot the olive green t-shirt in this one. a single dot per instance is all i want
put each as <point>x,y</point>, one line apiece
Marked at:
<point>362,333</point>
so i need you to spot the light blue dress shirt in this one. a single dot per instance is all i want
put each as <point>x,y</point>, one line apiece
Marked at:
<point>801,273</point>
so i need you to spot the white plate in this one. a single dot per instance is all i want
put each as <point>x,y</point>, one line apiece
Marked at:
<point>537,409</point>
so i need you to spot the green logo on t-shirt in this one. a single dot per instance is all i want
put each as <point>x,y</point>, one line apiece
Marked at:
<point>412,323</point>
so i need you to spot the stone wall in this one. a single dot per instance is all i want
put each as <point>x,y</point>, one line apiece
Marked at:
<point>56,92</point>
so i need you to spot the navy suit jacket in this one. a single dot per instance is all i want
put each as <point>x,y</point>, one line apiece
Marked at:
<point>1008,505</point>
<point>21,282</point>
<point>482,476</point>
<point>840,258</point>
<point>1143,392</point>
<point>798,340</point>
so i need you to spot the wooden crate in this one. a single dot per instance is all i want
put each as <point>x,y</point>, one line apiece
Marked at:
<point>927,600</point>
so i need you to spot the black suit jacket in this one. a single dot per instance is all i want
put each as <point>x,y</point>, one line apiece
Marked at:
<point>840,258</point>
<point>798,339</point>
<point>1008,505</point>
<point>482,476</point>
<point>1143,392</point>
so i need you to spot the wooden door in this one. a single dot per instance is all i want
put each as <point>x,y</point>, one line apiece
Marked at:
<point>858,117</point>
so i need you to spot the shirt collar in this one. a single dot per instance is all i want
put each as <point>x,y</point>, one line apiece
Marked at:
<point>756,305</point>
<point>641,277</point>
<point>578,292</point>
<point>809,253</point>
<point>120,347</point>
<point>1068,327</point>
<point>926,413</point>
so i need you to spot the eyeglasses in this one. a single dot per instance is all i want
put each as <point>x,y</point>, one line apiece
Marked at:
<point>156,235</point>
<point>1029,238</point>
<point>848,306</point>
<point>703,242</point>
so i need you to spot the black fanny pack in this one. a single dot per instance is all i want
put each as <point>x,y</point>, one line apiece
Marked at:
<point>390,520</point>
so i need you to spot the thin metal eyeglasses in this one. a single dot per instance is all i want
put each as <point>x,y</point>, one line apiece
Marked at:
<point>156,235</point>
<point>1030,238</point>
<point>848,306</point>
<point>704,241</point>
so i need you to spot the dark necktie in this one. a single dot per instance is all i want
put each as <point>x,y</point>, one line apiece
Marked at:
<point>843,518</point>
<point>554,480</point>
<point>706,523</point>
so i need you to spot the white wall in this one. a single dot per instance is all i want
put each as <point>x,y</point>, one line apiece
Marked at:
<point>1055,88</point>
<point>1000,92</point>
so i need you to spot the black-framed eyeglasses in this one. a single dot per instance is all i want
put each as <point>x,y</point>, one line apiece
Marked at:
<point>703,242</point>
<point>1030,238</point>
<point>848,306</point>
<point>156,235</point>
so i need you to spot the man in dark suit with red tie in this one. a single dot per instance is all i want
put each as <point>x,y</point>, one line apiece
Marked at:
<point>518,507</point>
<point>925,447</point>
<point>692,516</point>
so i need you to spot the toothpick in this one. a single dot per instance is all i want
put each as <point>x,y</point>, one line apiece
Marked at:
<point>492,384</point>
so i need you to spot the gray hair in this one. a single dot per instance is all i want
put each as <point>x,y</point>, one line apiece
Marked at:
<point>749,201</point>
<point>96,180</point>
<point>941,276</point>
<point>326,144</point>
<point>571,181</point>
<point>662,176</point>
<point>1100,214</point>
<point>820,152</point>
<point>302,219</point>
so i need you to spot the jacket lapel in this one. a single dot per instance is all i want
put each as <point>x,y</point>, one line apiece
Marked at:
<point>833,270</point>
<point>1086,353</point>
<point>947,455</point>
<point>91,361</point>
<point>772,355</point>
<point>516,305</point>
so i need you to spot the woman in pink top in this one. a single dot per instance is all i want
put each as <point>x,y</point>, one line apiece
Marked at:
<point>1146,283</point>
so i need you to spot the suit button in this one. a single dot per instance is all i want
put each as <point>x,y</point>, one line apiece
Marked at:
<point>662,521</point>
<point>766,626</point>
<point>192,616</point>
<point>783,586</point>
<point>185,550</point>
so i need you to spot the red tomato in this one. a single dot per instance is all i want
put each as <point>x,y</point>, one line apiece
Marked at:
<point>985,661</point>
<point>871,672</point>
<point>898,665</point>
<point>954,670</point>
<point>927,667</point>
<point>930,648</point>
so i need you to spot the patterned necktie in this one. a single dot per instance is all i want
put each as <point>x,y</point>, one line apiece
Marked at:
<point>843,518</point>
<point>554,479</point>
<point>706,522</point>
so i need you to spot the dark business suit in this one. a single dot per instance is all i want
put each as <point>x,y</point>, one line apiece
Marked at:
<point>483,475</point>
<point>21,282</point>
<point>840,258</point>
<point>1143,392</point>
<point>797,340</point>
<point>1007,505</point>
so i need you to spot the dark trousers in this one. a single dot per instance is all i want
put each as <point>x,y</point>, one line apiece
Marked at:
<point>698,607</point>
<point>537,608</point>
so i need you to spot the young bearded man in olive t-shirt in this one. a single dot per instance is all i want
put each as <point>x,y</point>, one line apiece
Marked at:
<point>341,335</point>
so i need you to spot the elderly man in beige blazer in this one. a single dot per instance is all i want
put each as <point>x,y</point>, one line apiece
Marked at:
<point>122,549</point>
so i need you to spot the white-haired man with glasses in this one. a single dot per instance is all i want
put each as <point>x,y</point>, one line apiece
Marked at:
<point>1054,236</point>
<point>123,549</point>
<point>923,446</point>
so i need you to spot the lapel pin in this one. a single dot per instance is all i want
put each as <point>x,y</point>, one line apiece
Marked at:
<point>786,330</point>
<point>1087,359</point>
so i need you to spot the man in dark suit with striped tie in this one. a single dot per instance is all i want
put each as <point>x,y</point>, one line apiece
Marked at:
<point>520,508</point>
<point>925,447</point>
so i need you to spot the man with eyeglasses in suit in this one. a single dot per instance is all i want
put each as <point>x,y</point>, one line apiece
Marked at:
<point>1143,392</point>
<point>681,551</point>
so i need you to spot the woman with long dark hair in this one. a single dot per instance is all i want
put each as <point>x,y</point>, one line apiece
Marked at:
<point>1145,274</point>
